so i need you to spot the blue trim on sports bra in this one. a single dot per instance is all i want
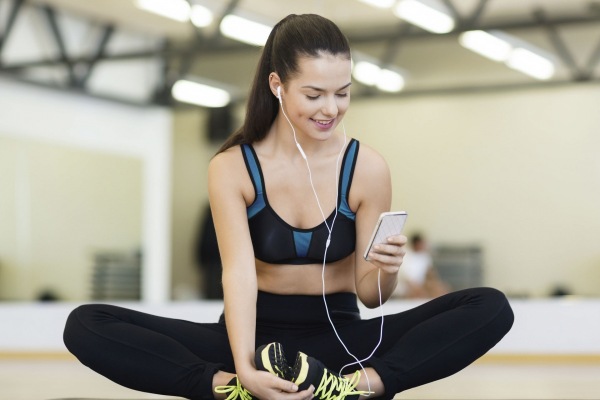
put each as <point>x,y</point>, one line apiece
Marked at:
<point>302,241</point>
<point>259,202</point>
<point>277,242</point>
<point>344,207</point>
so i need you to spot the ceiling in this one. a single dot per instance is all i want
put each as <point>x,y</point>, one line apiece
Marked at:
<point>350,15</point>
<point>568,28</point>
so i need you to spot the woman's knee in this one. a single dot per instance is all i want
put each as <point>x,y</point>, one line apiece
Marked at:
<point>80,324</point>
<point>497,305</point>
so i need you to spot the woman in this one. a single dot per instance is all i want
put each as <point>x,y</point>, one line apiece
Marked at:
<point>294,203</point>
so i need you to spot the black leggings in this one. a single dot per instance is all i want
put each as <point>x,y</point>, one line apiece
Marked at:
<point>179,358</point>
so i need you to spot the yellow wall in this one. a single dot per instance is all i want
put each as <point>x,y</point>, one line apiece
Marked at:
<point>191,153</point>
<point>58,206</point>
<point>517,172</point>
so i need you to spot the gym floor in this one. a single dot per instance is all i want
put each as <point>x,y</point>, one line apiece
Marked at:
<point>52,378</point>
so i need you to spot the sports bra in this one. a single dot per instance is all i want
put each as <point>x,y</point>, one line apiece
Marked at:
<point>276,242</point>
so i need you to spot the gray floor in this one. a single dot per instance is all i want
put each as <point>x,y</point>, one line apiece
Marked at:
<point>31,379</point>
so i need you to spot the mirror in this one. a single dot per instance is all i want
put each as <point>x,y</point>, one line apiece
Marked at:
<point>67,214</point>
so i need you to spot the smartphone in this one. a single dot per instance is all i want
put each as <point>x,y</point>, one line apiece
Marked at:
<point>389,224</point>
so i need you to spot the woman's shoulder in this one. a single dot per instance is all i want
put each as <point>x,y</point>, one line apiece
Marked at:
<point>228,157</point>
<point>371,175</point>
<point>227,163</point>
<point>370,160</point>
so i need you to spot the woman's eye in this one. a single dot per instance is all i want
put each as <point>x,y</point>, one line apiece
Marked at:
<point>312,97</point>
<point>342,94</point>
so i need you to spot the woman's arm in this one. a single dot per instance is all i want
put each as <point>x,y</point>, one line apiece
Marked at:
<point>373,190</point>
<point>228,186</point>
<point>225,187</point>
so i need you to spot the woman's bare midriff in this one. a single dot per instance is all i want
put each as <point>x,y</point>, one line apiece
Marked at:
<point>306,279</point>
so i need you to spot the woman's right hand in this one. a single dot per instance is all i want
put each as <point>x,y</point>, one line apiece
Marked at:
<point>267,386</point>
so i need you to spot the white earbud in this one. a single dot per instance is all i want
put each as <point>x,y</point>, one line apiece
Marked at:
<point>288,120</point>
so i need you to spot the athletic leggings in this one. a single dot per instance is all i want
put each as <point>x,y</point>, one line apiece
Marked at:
<point>179,358</point>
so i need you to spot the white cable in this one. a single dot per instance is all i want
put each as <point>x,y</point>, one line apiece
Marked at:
<point>330,230</point>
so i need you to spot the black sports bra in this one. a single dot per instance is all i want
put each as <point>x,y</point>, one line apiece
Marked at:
<point>277,242</point>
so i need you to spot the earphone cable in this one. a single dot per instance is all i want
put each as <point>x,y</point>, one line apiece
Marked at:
<point>330,230</point>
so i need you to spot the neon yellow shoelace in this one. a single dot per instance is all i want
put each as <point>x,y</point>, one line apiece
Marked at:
<point>333,387</point>
<point>235,391</point>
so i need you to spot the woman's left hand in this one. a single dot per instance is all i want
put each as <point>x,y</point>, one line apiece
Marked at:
<point>388,256</point>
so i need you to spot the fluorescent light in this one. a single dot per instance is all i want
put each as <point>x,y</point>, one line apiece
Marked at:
<point>371,74</point>
<point>530,63</point>
<point>427,14</point>
<point>201,16</point>
<point>390,81</point>
<point>245,30</point>
<point>366,72</point>
<point>486,44</point>
<point>200,94</point>
<point>379,3</point>
<point>178,10</point>
<point>514,52</point>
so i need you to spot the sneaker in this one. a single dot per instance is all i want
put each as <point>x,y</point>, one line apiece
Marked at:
<point>270,358</point>
<point>328,386</point>
<point>235,390</point>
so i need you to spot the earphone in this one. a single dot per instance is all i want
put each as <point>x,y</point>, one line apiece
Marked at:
<point>297,144</point>
<point>327,243</point>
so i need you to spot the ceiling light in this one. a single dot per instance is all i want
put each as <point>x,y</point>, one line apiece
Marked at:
<point>379,3</point>
<point>514,52</point>
<point>390,81</point>
<point>366,72</point>
<point>427,14</point>
<point>178,10</point>
<point>531,63</point>
<point>245,30</point>
<point>489,45</point>
<point>370,74</point>
<point>200,94</point>
<point>201,16</point>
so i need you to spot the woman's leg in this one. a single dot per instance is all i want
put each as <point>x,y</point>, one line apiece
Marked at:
<point>149,353</point>
<point>440,337</point>
<point>421,345</point>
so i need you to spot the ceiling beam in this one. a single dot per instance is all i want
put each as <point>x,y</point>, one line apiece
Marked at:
<point>354,38</point>
<point>593,60</point>
<point>480,88</point>
<point>60,44</point>
<point>472,20</point>
<point>504,25</point>
<point>12,16</point>
<point>107,33</point>
<point>560,47</point>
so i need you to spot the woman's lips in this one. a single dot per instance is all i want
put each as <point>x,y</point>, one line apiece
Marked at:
<point>323,124</point>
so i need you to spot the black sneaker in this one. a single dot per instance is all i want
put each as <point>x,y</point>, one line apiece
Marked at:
<point>328,386</point>
<point>270,358</point>
<point>235,391</point>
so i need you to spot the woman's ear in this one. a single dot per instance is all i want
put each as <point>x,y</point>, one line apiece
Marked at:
<point>275,83</point>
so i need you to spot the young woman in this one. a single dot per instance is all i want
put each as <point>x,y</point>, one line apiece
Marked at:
<point>294,203</point>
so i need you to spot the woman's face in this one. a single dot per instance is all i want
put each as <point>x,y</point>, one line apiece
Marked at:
<point>317,97</point>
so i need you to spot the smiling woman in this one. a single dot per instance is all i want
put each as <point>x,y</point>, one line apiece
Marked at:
<point>294,202</point>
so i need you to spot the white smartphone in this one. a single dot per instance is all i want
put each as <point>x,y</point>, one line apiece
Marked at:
<point>389,224</point>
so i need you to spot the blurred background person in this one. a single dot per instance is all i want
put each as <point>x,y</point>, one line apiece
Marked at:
<point>418,277</point>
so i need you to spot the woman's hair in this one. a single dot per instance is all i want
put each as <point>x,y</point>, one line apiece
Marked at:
<point>293,37</point>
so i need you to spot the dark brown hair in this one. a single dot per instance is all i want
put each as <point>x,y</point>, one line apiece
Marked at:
<point>292,37</point>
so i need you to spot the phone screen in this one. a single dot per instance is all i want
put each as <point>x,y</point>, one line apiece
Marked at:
<point>389,224</point>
